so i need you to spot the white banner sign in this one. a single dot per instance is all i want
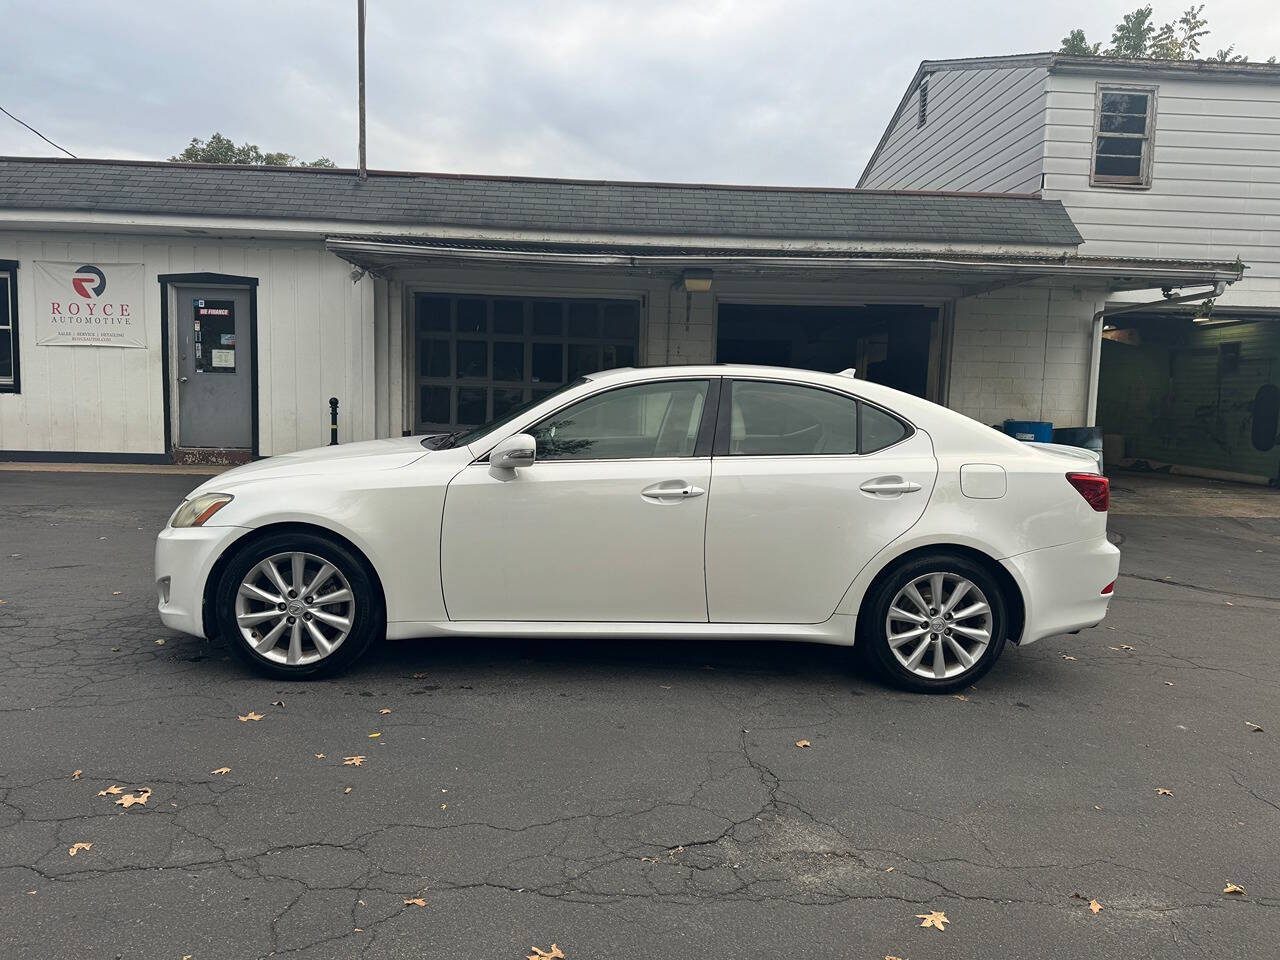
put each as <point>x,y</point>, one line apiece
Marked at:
<point>89,304</point>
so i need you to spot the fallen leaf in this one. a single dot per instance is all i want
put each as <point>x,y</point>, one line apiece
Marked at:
<point>1164,792</point>
<point>77,847</point>
<point>934,918</point>
<point>419,676</point>
<point>129,799</point>
<point>554,953</point>
<point>1065,657</point>
<point>348,790</point>
<point>116,593</point>
<point>250,716</point>
<point>1125,646</point>
<point>887,957</point>
<point>75,774</point>
<point>221,771</point>
<point>319,756</point>
<point>1253,727</point>
<point>384,711</point>
<point>352,761</point>
<point>443,805</point>
<point>803,743</point>
<point>415,901</point>
<point>160,642</point>
<point>889,870</point>
<point>113,789</point>
<point>277,703</point>
<point>961,696</point>
<point>1168,683</point>
<point>1094,906</point>
<point>1233,888</point>
<point>374,736</point>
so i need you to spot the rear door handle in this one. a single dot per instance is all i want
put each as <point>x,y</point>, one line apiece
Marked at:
<point>671,491</point>
<point>889,486</point>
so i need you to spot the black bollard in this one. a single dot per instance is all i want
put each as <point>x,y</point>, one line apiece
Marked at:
<point>333,421</point>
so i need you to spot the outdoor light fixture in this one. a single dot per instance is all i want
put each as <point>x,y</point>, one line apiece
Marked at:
<point>697,280</point>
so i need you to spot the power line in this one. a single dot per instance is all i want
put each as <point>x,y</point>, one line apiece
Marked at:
<point>38,134</point>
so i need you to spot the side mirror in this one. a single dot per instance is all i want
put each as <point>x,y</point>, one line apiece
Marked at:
<point>519,450</point>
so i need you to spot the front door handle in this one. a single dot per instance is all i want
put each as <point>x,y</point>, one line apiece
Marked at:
<point>671,491</point>
<point>889,486</point>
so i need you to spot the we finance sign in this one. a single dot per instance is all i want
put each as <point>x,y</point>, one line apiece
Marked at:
<point>89,304</point>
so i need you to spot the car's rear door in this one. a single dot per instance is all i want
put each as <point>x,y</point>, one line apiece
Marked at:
<point>608,523</point>
<point>807,485</point>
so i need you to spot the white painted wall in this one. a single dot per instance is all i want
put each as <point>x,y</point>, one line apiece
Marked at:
<point>984,131</point>
<point>1215,185</point>
<point>1024,353</point>
<point>315,340</point>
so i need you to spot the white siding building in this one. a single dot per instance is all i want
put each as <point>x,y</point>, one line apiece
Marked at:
<point>1152,159</point>
<point>426,302</point>
<point>1204,137</point>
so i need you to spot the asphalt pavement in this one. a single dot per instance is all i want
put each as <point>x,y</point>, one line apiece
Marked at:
<point>623,799</point>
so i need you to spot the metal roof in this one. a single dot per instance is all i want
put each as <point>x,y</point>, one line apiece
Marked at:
<point>399,199</point>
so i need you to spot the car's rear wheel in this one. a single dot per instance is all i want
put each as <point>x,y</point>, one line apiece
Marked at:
<point>297,604</point>
<point>934,624</point>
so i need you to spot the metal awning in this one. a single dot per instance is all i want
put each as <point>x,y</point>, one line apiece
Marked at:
<point>972,273</point>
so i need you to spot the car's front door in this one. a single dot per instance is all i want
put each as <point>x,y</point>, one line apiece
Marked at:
<point>808,485</point>
<point>607,525</point>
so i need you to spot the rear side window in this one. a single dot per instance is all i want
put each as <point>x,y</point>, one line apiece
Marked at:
<point>764,419</point>
<point>879,429</point>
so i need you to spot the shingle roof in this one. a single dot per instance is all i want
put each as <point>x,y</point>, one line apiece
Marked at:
<point>580,206</point>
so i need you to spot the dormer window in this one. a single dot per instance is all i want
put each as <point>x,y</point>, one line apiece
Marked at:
<point>1123,127</point>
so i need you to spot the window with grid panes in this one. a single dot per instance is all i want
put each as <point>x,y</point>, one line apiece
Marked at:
<point>1123,138</point>
<point>8,332</point>
<point>478,357</point>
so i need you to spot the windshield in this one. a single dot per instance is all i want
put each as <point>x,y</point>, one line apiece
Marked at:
<point>447,441</point>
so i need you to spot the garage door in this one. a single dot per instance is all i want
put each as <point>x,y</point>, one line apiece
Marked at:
<point>478,357</point>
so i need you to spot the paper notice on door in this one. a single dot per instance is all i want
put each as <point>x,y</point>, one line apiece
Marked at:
<point>224,359</point>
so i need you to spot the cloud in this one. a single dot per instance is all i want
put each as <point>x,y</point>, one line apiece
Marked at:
<point>792,91</point>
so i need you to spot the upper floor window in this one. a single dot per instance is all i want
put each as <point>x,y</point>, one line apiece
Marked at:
<point>1125,121</point>
<point>8,327</point>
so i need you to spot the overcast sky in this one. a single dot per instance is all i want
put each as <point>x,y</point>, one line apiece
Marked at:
<point>729,91</point>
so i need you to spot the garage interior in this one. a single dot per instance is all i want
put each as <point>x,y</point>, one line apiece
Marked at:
<point>885,343</point>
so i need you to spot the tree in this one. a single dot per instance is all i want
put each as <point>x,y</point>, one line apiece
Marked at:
<point>1136,36</point>
<point>220,149</point>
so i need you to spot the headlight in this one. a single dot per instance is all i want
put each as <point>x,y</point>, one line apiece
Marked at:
<point>194,512</point>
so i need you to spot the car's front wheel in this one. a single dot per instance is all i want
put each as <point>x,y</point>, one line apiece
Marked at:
<point>297,604</point>
<point>934,624</point>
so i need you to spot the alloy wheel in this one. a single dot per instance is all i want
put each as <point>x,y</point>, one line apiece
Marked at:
<point>294,608</point>
<point>939,625</point>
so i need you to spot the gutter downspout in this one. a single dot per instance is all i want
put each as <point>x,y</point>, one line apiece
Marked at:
<point>1095,359</point>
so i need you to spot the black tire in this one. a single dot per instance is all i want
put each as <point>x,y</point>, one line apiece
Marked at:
<point>872,643</point>
<point>366,612</point>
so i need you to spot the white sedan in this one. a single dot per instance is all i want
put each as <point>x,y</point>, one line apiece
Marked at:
<point>697,501</point>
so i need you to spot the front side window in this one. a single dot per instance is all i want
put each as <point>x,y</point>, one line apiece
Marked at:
<point>8,330</point>
<point>1123,136</point>
<point>645,421</point>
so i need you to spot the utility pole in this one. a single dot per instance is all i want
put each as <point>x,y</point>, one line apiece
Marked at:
<point>364,172</point>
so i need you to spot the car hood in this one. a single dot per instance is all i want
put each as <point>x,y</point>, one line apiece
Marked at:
<point>342,458</point>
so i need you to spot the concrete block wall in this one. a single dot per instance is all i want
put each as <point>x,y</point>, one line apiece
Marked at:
<point>680,327</point>
<point>1023,353</point>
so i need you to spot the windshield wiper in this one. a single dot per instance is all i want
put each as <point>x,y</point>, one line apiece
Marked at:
<point>443,441</point>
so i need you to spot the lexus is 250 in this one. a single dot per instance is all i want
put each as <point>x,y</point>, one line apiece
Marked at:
<point>730,502</point>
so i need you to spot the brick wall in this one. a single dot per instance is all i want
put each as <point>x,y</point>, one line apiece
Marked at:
<point>1024,353</point>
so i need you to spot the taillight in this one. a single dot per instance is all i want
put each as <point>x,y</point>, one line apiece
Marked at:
<point>1109,589</point>
<point>1096,489</point>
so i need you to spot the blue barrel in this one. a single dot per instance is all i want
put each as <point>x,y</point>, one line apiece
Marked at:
<point>1041,431</point>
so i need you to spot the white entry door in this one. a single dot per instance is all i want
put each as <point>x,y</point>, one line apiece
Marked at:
<point>606,526</point>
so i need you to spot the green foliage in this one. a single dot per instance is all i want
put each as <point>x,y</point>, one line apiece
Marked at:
<point>1136,36</point>
<point>220,149</point>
